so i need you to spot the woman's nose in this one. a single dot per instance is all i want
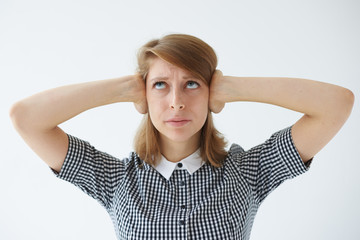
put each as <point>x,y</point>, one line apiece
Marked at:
<point>177,101</point>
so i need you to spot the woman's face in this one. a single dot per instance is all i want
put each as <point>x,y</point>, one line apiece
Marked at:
<point>178,102</point>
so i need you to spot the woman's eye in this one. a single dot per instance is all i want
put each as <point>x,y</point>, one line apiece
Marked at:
<point>192,84</point>
<point>159,85</point>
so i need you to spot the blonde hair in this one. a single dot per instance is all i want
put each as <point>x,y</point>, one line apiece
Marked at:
<point>196,56</point>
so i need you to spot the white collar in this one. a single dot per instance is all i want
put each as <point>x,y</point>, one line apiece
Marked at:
<point>191,163</point>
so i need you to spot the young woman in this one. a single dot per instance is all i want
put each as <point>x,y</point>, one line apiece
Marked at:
<point>181,183</point>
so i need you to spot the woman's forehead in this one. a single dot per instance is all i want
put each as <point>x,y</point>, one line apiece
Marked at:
<point>162,69</point>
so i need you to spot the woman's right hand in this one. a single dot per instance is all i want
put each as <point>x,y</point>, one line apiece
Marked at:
<point>140,101</point>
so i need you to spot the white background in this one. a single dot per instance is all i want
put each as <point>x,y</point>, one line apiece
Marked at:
<point>45,44</point>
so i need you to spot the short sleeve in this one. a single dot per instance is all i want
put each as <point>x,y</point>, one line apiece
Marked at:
<point>96,173</point>
<point>269,164</point>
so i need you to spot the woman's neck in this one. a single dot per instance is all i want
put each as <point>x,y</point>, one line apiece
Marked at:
<point>176,151</point>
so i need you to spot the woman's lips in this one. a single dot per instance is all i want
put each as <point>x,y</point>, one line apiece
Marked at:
<point>177,122</point>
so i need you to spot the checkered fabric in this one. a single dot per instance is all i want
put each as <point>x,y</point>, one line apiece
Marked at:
<point>211,203</point>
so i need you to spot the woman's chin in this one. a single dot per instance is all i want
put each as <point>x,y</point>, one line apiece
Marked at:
<point>180,138</point>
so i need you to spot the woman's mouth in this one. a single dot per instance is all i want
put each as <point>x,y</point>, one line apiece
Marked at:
<point>177,122</point>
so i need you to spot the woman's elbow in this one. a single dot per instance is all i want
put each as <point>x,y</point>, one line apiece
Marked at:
<point>17,115</point>
<point>342,106</point>
<point>348,100</point>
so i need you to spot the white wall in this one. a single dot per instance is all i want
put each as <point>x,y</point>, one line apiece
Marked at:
<point>45,44</point>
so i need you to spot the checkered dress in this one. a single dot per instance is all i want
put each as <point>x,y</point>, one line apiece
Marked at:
<point>211,203</point>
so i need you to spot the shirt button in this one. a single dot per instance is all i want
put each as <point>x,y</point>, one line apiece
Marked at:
<point>180,165</point>
<point>182,222</point>
<point>183,207</point>
<point>182,183</point>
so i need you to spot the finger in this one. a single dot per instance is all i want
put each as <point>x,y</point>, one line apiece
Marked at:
<point>217,75</point>
<point>216,107</point>
<point>141,107</point>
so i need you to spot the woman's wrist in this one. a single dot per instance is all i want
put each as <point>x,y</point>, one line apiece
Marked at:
<point>223,89</point>
<point>232,88</point>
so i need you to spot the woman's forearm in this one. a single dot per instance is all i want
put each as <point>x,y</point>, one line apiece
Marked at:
<point>310,97</point>
<point>46,110</point>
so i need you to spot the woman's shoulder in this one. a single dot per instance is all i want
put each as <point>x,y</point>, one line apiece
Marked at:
<point>235,149</point>
<point>134,161</point>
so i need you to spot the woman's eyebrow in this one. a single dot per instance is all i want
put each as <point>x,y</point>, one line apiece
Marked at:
<point>190,77</point>
<point>158,79</point>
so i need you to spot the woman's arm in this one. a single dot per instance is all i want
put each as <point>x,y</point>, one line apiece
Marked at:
<point>37,117</point>
<point>325,106</point>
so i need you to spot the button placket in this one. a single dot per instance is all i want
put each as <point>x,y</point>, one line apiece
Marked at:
<point>183,196</point>
<point>183,206</point>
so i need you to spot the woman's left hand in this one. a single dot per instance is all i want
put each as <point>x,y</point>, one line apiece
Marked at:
<point>216,98</point>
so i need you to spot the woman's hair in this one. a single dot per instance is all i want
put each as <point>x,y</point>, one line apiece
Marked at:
<point>197,57</point>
